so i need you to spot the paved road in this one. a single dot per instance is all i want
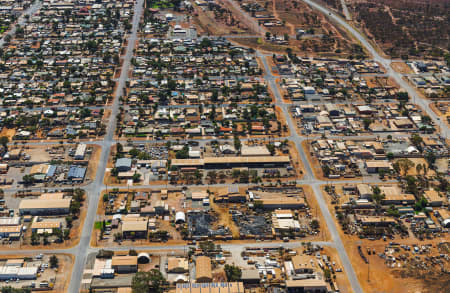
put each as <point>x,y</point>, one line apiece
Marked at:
<point>94,189</point>
<point>397,77</point>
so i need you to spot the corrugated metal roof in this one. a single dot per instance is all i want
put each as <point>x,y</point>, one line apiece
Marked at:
<point>51,171</point>
<point>76,172</point>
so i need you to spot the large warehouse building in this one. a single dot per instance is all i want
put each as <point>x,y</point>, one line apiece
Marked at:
<point>38,207</point>
<point>233,162</point>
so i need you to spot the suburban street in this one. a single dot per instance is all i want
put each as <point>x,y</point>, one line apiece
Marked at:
<point>95,187</point>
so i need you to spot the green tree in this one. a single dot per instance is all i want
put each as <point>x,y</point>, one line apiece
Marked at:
<point>28,180</point>
<point>377,196</point>
<point>418,169</point>
<point>326,170</point>
<point>119,148</point>
<point>393,212</point>
<point>327,274</point>
<point>315,224</point>
<point>405,165</point>
<point>420,204</point>
<point>237,143</point>
<point>34,238</point>
<point>136,177</point>
<point>146,282</point>
<point>75,207</point>
<point>233,273</point>
<point>271,148</point>
<point>183,153</point>
<point>416,140</point>
<point>367,122</point>
<point>53,261</point>
<point>4,140</point>
<point>430,157</point>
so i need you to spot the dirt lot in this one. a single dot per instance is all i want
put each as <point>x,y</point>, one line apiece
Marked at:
<point>413,171</point>
<point>377,276</point>
<point>298,165</point>
<point>380,82</point>
<point>402,67</point>
<point>223,23</point>
<point>93,162</point>
<point>8,133</point>
<point>324,234</point>
<point>298,15</point>
<point>413,28</point>
<point>310,46</point>
<point>439,108</point>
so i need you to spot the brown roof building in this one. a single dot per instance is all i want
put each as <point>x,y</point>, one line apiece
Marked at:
<point>203,269</point>
<point>124,264</point>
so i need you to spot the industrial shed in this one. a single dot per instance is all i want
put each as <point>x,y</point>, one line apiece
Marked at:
<point>180,217</point>
<point>143,257</point>
<point>10,272</point>
<point>203,269</point>
<point>232,162</point>
<point>76,173</point>
<point>123,164</point>
<point>38,207</point>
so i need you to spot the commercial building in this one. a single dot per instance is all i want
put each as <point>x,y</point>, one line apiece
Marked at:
<point>284,221</point>
<point>22,273</point>
<point>123,164</point>
<point>374,166</point>
<point>76,173</point>
<point>134,229</point>
<point>398,199</point>
<point>11,231</point>
<point>283,203</point>
<point>433,198</point>
<point>250,276</point>
<point>80,152</point>
<point>14,221</point>
<point>48,226</point>
<point>39,207</point>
